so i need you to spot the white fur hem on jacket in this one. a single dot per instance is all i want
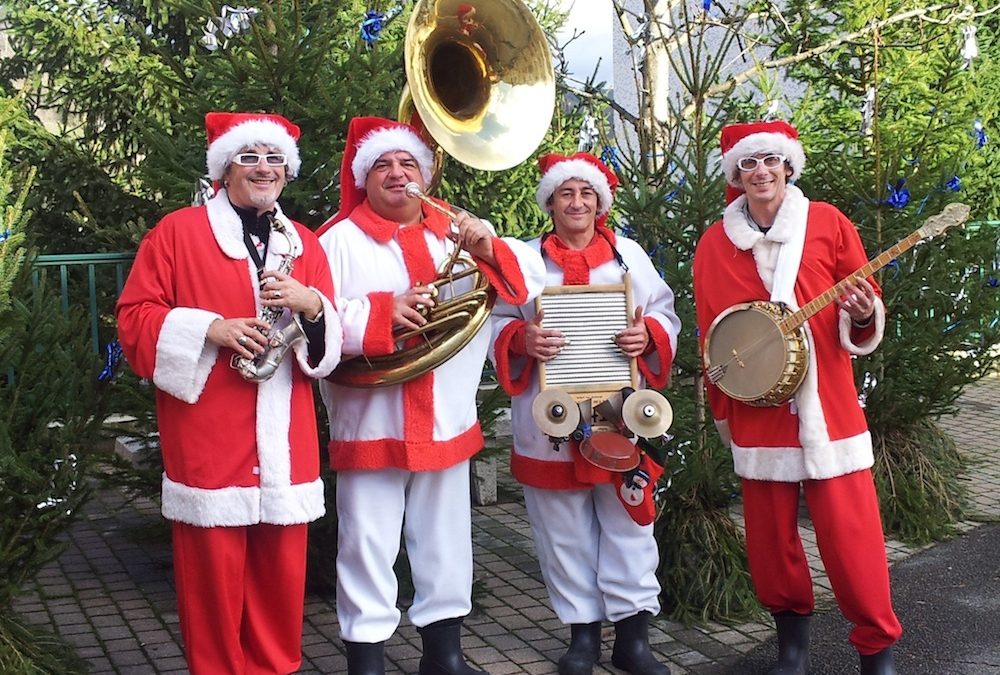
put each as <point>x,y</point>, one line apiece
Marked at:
<point>184,358</point>
<point>869,345</point>
<point>241,506</point>
<point>333,338</point>
<point>836,458</point>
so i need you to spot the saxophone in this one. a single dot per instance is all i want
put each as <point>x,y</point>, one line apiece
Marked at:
<point>264,365</point>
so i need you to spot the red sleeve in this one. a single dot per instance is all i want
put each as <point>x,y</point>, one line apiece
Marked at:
<point>145,301</point>
<point>506,276</point>
<point>378,332</point>
<point>510,342</point>
<point>852,257</point>
<point>318,275</point>
<point>660,346</point>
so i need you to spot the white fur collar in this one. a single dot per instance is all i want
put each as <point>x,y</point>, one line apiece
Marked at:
<point>791,216</point>
<point>228,229</point>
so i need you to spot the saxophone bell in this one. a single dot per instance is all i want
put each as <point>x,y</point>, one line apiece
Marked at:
<point>265,365</point>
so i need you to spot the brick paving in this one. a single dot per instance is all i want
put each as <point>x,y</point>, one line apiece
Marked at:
<point>110,595</point>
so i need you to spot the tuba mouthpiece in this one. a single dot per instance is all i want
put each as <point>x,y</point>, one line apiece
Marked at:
<point>413,190</point>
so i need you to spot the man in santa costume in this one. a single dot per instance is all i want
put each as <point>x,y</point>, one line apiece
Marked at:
<point>402,451</point>
<point>241,458</point>
<point>774,244</point>
<point>593,532</point>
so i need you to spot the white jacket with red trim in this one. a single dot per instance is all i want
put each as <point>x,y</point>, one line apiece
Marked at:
<point>428,423</point>
<point>534,461</point>
<point>234,452</point>
<point>821,431</point>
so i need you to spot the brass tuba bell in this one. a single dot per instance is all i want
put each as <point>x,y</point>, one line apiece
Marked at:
<point>481,80</point>
<point>480,83</point>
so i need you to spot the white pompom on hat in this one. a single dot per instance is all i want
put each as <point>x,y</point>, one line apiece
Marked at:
<point>229,133</point>
<point>557,169</point>
<point>744,140</point>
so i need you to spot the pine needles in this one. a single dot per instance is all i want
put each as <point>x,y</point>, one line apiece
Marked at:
<point>917,472</point>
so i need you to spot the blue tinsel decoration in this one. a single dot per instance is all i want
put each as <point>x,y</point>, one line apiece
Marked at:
<point>112,355</point>
<point>372,26</point>
<point>981,138</point>
<point>609,155</point>
<point>899,195</point>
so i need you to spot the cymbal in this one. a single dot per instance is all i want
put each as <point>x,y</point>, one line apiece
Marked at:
<point>556,413</point>
<point>647,413</point>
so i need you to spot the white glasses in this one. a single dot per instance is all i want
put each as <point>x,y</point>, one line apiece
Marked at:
<point>253,159</point>
<point>751,163</point>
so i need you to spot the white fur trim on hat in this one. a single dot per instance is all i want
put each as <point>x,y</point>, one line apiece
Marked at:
<point>764,142</point>
<point>390,139</point>
<point>246,134</point>
<point>581,170</point>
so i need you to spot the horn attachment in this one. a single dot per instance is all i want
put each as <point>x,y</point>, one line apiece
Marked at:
<point>556,413</point>
<point>647,413</point>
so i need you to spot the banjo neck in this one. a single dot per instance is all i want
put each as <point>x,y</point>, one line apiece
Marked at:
<point>952,215</point>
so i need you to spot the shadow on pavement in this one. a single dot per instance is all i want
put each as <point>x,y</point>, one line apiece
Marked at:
<point>948,600</point>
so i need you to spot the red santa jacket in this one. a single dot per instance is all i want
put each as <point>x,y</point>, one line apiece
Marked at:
<point>234,452</point>
<point>430,422</point>
<point>821,431</point>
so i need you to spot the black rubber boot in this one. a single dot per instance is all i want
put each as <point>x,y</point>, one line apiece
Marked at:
<point>584,649</point>
<point>365,658</point>
<point>793,644</point>
<point>443,649</point>
<point>631,651</point>
<point>879,663</point>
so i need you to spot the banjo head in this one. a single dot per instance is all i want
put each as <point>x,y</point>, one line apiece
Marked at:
<point>749,358</point>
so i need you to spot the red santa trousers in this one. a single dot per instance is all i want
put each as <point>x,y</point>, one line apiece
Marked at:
<point>845,515</point>
<point>240,596</point>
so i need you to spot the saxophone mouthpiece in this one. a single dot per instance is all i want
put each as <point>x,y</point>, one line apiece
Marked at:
<point>413,190</point>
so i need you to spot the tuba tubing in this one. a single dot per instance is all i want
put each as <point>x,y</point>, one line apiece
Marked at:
<point>451,324</point>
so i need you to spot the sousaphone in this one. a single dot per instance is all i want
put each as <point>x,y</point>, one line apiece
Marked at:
<point>480,85</point>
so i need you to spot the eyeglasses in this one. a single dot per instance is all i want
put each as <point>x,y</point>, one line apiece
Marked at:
<point>751,163</point>
<point>253,159</point>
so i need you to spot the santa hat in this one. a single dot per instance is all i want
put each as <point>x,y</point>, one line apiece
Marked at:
<point>229,133</point>
<point>557,169</point>
<point>743,140</point>
<point>368,138</point>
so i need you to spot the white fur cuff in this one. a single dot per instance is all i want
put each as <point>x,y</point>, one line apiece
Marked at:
<point>184,357</point>
<point>333,338</point>
<point>869,345</point>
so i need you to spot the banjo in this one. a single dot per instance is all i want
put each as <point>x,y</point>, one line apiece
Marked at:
<point>757,352</point>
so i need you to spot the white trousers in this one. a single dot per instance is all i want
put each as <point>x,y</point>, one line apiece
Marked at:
<point>432,510</point>
<point>597,563</point>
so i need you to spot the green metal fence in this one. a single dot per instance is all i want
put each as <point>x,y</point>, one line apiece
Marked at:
<point>87,271</point>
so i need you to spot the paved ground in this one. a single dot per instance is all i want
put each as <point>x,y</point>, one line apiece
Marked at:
<point>111,593</point>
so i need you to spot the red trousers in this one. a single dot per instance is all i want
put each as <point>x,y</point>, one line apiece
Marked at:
<point>240,596</point>
<point>845,515</point>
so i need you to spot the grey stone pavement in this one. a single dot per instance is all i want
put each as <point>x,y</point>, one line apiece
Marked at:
<point>111,594</point>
